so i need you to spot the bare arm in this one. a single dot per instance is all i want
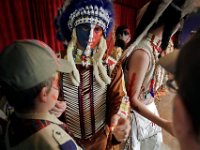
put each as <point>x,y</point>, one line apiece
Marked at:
<point>138,66</point>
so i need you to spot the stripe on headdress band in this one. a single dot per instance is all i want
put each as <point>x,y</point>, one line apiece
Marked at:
<point>90,20</point>
<point>88,48</point>
<point>89,14</point>
<point>91,32</point>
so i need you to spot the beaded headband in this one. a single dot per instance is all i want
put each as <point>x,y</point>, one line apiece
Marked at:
<point>89,14</point>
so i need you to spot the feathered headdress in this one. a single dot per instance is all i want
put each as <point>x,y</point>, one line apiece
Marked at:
<point>76,12</point>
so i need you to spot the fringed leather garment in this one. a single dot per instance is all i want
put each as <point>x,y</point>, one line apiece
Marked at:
<point>86,105</point>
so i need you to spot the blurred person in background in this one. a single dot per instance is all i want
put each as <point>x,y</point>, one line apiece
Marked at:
<point>185,65</point>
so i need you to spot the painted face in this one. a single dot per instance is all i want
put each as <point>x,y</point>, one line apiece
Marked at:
<point>88,34</point>
<point>126,36</point>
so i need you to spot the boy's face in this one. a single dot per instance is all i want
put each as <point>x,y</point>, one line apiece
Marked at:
<point>54,91</point>
<point>88,34</point>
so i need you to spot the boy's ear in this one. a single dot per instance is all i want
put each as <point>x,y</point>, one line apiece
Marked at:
<point>43,95</point>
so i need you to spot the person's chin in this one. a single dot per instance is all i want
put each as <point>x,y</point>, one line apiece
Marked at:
<point>92,45</point>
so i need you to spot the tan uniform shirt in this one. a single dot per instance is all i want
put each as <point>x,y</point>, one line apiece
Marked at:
<point>52,137</point>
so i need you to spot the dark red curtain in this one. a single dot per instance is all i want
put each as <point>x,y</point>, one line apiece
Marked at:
<point>125,14</point>
<point>20,19</point>
<point>34,19</point>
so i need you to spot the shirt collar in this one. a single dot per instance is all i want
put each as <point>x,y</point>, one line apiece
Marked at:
<point>42,116</point>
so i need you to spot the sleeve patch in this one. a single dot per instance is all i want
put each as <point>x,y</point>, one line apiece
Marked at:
<point>69,145</point>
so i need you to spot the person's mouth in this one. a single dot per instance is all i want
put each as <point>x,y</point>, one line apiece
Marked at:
<point>90,43</point>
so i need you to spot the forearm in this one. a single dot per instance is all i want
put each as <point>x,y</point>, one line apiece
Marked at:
<point>145,112</point>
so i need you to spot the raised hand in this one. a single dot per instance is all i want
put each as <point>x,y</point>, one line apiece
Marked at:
<point>59,108</point>
<point>120,127</point>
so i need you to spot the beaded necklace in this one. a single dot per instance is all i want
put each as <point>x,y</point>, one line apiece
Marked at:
<point>84,57</point>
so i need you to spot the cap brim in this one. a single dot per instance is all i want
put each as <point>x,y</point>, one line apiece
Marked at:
<point>169,61</point>
<point>64,66</point>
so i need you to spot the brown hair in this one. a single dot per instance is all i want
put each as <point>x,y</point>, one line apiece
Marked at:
<point>170,18</point>
<point>24,100</point>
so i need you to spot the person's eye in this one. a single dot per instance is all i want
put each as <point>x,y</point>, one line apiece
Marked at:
<point>97,29</point>
<point>126,33</point>
<point>85,28</point>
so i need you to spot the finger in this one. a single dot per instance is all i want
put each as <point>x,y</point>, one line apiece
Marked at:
<point>120,135</point>
<point>124,128</point>
<point>114,121</point>
<point>61,104</point>
<point>123,124</point>
<point>57,111</point>
<point>123,132</point>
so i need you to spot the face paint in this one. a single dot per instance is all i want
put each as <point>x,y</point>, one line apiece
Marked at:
<point>88,35</point>
<point>97,34</point>
<point>54,97</point>
<point>130,85</point>
<point>82,32</point>
<point>55,86</point>
<point>126,36</point>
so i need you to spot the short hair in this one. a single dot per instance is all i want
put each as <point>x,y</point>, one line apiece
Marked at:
<point>25,100</point>
<point>169,18</point>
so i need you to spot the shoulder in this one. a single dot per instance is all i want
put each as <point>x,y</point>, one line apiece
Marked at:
<point>52,137</point>
<point>139,55</point>
<point>59,137</point>
<point>144,46</point>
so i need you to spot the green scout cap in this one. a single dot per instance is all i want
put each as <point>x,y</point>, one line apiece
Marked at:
<point>26,63</point>
<point>169,61</point>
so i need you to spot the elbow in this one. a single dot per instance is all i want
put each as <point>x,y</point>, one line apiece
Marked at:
<point>134,102</point>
